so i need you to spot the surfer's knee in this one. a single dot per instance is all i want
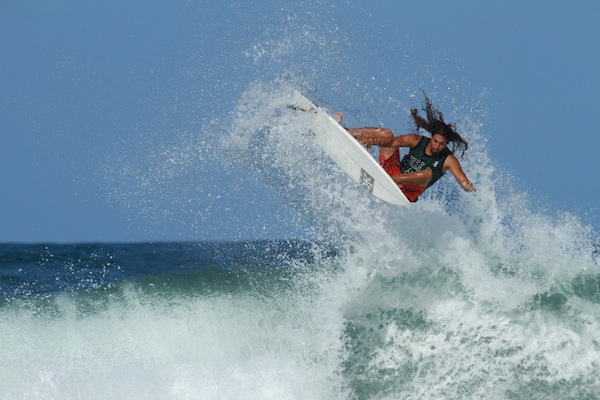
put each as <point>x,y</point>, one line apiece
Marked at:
<point>426,177</point>
<point>385,133</point>
<point>428,174</point>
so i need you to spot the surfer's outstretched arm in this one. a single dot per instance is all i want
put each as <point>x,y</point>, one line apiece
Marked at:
<point>453,165</point>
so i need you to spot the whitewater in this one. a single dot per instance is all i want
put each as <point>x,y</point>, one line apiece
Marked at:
<point>458,296</point>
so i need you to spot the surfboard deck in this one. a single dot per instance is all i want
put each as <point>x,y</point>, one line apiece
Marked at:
<point>349,154</point>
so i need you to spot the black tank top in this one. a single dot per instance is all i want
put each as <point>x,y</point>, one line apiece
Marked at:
<point>416,160</point>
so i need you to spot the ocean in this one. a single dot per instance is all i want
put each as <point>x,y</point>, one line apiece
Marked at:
<point>460,296</point>
<point>292,320</point>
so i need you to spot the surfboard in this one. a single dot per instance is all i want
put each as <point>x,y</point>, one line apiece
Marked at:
<point>352,157</point>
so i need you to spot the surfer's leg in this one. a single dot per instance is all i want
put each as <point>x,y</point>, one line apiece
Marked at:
<point>420,178</point>
<point>374,137</point>
<point>388,152</point>
<point>371,136</point>
<point>390,162</point>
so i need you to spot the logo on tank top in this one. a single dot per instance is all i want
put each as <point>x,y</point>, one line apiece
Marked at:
<point>415,163</point>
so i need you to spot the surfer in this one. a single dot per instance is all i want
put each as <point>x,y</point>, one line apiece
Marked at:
<point>428,158</point>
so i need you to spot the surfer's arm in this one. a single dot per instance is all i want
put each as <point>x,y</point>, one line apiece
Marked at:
<point>453,165</point>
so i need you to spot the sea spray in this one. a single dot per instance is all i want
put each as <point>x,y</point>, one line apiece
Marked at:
<point>461,295</point>
<point>215,320</point>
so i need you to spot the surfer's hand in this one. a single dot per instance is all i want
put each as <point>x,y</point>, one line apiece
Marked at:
<point>468,186</point>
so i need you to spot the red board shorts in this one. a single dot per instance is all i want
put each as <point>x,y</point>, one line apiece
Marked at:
<point>391,165</point>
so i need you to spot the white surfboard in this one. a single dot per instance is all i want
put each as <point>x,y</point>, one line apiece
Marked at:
<point>349,154</point>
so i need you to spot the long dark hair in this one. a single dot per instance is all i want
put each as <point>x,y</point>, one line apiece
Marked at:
<point>435,124</point>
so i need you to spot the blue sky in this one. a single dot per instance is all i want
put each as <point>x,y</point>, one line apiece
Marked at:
<point>87,88</point>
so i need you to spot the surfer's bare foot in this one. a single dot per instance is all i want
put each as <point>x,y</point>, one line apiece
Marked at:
<point>338,117</point>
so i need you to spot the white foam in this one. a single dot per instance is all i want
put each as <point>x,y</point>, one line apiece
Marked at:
<point>471,265</point>
<point>220,347</point>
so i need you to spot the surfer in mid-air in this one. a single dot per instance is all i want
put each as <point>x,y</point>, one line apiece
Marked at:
<point>428,158</point>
